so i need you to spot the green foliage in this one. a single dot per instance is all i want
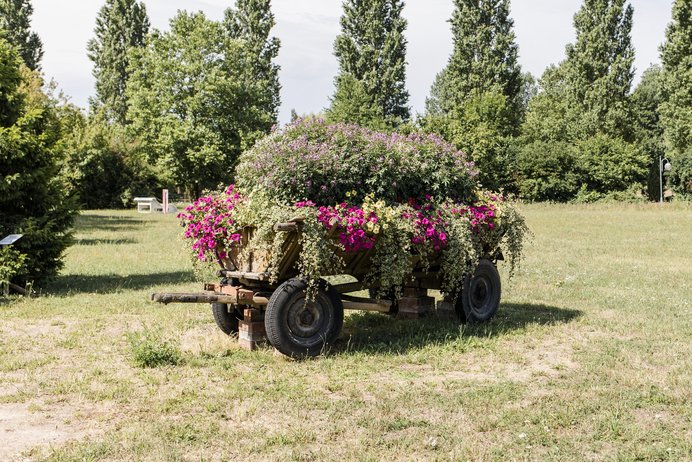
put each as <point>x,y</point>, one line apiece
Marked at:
<point>478,101</point>
<point>12,263</point>
<point>194,104</point>
<point>611,164</point>
<point>646,100</point>
<point>548,171</point>
<point>150,350</point>
<point>351,103</point>
<point>371,51</point>
<point>681,174</point>
<point>478,129</point>
<point>120,25</point>
<point>15,22</point>
<point>582,118</point>
<point>11,101</point>
<point>676,54</point>
<point>32,199</point>
<point>549,117</point>
<point>484,60</point>
<point>102,165</point>
<point>251,22</point>
<point>598,70</point>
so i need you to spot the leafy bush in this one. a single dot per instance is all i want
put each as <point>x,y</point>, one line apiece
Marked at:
<point>311,159</point>
<point>102,167</point>
<point>481,127</point>
<point>150,350</point>
<point>681,175</point>
<point>611,164</point>
<point>33,201</point>
<point>11,265</point>
<point>548,171</point>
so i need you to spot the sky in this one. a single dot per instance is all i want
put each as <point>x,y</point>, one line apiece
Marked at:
<point>307,29</point>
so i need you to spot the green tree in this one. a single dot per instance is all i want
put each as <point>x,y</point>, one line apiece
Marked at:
<point>598,70</point>
<point>478,100</point>
<point>102,165</point>
<point>648,131</point>
<point>32,199</point>
<point>120,25</point>
<point>484,59</point>
<point>15,21</point>
<point>588,93</point>
<point>676,110</point>
<point>192,105</point>
<point>251,22</point>
<point>371,51</point>
<point>585,102</point>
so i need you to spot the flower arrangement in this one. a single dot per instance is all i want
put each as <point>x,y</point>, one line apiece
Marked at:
<point>409,200</point>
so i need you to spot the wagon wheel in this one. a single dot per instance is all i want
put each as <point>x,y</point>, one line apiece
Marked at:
<point>480,296</point>
<point>301,328</point>
<point>227,319</point>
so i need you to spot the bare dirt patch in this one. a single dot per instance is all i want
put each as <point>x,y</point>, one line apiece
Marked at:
<point>22,429</point>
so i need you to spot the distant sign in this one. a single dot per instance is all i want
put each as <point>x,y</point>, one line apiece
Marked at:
<point>11,239</point>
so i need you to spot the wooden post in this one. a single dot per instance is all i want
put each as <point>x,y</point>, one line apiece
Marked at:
<point>415,303</point>
<point>251,332</point>
<point>446,309</point>
<point>165,200</point>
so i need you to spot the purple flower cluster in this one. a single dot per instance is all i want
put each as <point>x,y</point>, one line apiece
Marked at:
<point>481,215</point>
<point>313,159</point>
<point>209,223</point>
<point>428,223</point>
<point>350,222</point>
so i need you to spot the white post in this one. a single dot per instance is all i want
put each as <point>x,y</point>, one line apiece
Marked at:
<point>165,201</point>
<point>660,177</point>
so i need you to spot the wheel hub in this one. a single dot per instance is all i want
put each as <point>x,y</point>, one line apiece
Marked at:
<point>305,318</point>
<point>481,288</point>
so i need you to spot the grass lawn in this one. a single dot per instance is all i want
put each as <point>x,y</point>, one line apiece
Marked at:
<point>589,358</point>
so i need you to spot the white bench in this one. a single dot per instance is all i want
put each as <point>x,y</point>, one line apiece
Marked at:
<point>151,204</point>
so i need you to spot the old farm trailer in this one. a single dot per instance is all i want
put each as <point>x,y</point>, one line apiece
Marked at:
<point>247,303</point>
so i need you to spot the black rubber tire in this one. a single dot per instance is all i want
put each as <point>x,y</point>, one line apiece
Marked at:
<point>389,296</point>
<point>479,299</point>
<point>299,329</point>
<point>225,319</point>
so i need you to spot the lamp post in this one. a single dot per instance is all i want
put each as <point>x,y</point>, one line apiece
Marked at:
<point>663,165</point>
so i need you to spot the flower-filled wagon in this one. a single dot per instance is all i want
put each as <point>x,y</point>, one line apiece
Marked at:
<point>394,215</point>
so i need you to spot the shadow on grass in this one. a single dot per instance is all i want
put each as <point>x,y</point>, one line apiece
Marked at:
<point>377,333</point>
<point>93,222</point>
<point>110,283</point>
<point>87,242</point>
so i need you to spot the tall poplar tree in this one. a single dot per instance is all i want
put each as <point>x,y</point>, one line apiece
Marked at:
<point>477,101</point>
<point>251,22</point>
<point>484,59</point>
<point>599,67</point>
<point>676,54</point>
<point>15,21</point>
<point>371,50</point>
<point>120,25</point>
